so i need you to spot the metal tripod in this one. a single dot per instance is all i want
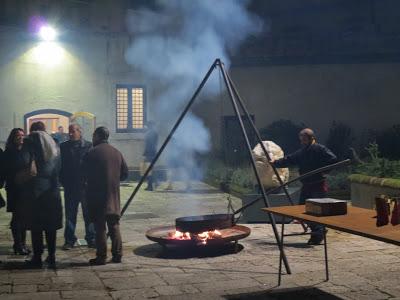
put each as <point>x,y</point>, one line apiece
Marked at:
<point>235,99</point>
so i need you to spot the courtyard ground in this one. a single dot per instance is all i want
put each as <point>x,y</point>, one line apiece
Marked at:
<point>360,268</point>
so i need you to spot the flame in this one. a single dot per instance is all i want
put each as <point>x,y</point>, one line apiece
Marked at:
<point>178,235</point>
<point>202,237</point>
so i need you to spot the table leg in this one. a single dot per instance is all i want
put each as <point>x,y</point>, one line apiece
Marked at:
<point>326,256</point>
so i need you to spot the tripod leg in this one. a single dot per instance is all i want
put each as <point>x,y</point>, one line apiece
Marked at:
<point>249,150</point>
<point>259,139</point>
<point>184,112</point>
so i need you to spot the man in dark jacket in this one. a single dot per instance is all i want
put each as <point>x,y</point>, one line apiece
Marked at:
<point>150,151</point>
<point>72,153</point>
<point>104,168</point>
<point>310,157</point>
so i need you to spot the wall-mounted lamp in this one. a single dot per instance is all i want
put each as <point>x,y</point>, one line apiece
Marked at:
<point>47,33</point>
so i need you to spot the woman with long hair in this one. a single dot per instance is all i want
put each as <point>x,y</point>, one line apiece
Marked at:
<point>43,208</point>
<point>16,159</point>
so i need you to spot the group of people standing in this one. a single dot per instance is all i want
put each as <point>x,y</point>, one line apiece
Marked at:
<point>33,166</point>
<point>32,169</point>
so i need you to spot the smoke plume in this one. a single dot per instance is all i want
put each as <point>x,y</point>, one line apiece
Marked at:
<point>173,46</point>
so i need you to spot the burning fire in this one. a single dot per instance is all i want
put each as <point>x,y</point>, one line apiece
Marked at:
<point>202,237</point>
<point>177,235</point>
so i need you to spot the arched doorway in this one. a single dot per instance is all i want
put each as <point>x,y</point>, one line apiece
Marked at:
<point>52,118</point>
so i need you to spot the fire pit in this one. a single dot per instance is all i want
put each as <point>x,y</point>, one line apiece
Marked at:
<point>210,230</point>
<point>204,223</point>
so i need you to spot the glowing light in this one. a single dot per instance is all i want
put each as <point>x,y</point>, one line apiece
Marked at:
<point>47,33</point>
<point>202,237</point>
<point>48,54</point>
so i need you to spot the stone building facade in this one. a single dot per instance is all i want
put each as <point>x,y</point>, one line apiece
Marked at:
<point>314,63</point>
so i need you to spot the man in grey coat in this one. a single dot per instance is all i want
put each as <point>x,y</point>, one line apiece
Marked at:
<point>104,167</point>
<point>72,153</point>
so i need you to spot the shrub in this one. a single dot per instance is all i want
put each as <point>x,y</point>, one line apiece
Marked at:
<point>218,171</point>
<point>389,142</point>
<point>338,181</point>
<point>340,139</point>
<point>239,178</point>
<point>378,166</point>
<point>243,177</point>
<point>284,133</point>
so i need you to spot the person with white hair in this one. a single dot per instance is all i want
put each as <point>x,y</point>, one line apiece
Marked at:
<point>43,209</point>
<point>71,178</point>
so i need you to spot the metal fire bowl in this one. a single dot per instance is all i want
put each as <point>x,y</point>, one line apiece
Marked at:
<point>203,223</point>
<point>233,234</point>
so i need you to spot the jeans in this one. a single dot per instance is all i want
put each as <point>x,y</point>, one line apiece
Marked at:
<point>309,191</point>
<point>72,199</point>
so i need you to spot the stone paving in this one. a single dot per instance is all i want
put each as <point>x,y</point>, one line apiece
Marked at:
<point>359,268</point>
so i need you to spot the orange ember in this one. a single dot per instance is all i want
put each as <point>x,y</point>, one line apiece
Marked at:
<point>180,235</point>
<point>201,237</point>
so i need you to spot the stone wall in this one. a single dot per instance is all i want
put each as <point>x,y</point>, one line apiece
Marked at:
<point>364,96</point>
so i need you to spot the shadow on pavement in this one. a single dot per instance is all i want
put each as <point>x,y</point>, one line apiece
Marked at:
<point>21,265</point>
<point>302,293</point>
<point>157,251</point>
<point>288,244</point>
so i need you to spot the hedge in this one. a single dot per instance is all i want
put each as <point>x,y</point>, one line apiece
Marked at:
<point>386,182</point>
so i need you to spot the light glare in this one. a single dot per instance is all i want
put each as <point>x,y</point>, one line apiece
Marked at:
<point>47,33</point>
<point>48,54</point>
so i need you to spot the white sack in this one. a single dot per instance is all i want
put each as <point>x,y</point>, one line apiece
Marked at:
<point>267,175</point>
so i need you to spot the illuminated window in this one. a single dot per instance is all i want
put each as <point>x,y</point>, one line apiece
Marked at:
<point>137,108</point>
<point>122,108</point>
<point>130,108</point>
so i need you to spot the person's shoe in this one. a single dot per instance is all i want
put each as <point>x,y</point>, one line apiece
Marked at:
<point>51,261</point>
<point>34,262</point>
<point>97,261</point>
<point>149,188</point>
<point>26,249</point>
<point>68,246</point>
<point>21,250</point>
<point>91,244</point>
<point>116,259</point>
<point>315,240</point>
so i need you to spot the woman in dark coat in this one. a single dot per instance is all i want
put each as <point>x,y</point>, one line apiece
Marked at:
<point>16,159</point>
<point>44,209</point>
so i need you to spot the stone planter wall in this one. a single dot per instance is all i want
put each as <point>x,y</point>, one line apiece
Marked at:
<point>254,214</point>
<point>364,189</point>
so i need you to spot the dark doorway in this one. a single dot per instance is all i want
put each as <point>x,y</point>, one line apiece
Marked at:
<point>233,143</point>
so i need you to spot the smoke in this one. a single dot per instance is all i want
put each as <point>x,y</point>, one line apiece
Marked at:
<point>173,46</point>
